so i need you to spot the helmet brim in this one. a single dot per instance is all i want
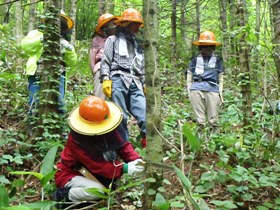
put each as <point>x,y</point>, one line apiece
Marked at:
<point>125,22</point>
<point>104,22</point>
<point>207,43</point>
<point>83,127</point>
<point>70,22</point>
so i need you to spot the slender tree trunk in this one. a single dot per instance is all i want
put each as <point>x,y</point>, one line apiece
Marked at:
<point>106,6</point>
<point>63,6</point>
<point>255,54</point>
<point>174,34</point>
<point>244,64</point>
<point>32,15</point>
<point>198,25</point>
<point>184,24</point>
<point>233,41</point>
<point>275,6</point>
<point>18,27</point>
<point>73,12</point>
<point>7,11</point>
<point>154,146</point>
<point>226,47</point>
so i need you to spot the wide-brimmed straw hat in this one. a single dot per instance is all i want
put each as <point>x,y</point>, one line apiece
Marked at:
<point>207,38</point>
<point>95,116</point>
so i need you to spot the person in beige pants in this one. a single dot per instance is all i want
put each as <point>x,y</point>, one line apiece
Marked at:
<point>205,81</point>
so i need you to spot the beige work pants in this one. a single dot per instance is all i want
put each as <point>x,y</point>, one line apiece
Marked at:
<point>205,107</point>
<point>78,192</point>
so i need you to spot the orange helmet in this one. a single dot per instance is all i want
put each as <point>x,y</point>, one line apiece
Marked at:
<point>103,20</point>
<point>131,15</point>
<point>67,19</point>
<point>94,109</point>
<point>207,38</point>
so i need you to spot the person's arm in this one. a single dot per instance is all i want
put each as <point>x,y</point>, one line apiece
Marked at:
<point>92,55</point>
<point>189,81</point>
<point>69,54</point>
<point>127,153</point>
<point>189,74</point>
<point>107,58</point>
<point>96,165</point>
<point>221,78</point>
<point>96,52</point>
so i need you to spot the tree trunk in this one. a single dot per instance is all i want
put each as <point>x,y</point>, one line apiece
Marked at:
<point>106,6</point>
<point>51,60</point>
<point>18,27</point>
<point>255,53</point>
<point>233,40</point>
<point>275,6</point>
<point>244,75</point>
<point>184,24</point>
<point>73,12</point>
<point>32,15</point>
<point>7,11</point>
<point>174,34</point>
<point>154,146</point>
<point>226,44</point>
<point>197,9</point>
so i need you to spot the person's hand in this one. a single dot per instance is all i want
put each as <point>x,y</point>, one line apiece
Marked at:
<point>144,89</point>
<point>107,88</point>
<point>136,166</point>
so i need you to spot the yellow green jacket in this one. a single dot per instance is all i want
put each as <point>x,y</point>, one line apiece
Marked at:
<point>32,46</point>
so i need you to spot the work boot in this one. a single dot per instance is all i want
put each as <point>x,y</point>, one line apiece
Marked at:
<point>61,194</point>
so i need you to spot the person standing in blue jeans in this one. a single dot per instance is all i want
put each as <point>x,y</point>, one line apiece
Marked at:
<point>32,45</point>
<point>122,71</point>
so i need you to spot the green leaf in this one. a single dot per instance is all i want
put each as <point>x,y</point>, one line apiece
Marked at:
<point>97,192</point>
<point>41,204</point>
<point>4,199</point>
<point>202,204</point>
<point>177,204</point>
<point>37,175</point>
<point>193,140</point>
<point>186,182</point>
<point>160,203</point>
<point>226,204</point>
<point>20,207</point>
<point>3,180</point>
<point>47,178</point>
<point>48,161</point>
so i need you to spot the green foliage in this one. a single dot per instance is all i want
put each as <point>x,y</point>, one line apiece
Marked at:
<point>187,184</point>
<point>194,141</point>
<point>160,203</point>
<point>109,194</point>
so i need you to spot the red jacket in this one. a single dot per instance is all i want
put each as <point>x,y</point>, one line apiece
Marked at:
<point>74,156</point>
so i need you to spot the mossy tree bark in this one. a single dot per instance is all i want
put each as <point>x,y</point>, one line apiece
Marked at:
<point>154,141</point>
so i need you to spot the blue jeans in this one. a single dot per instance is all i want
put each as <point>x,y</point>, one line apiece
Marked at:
<point>34,88</point>
<point>131,100</point>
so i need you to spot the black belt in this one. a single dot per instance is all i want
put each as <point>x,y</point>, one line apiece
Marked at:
<point>125,70</point>
<point>204,80</point>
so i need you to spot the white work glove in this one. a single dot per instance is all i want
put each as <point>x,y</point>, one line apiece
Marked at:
<point>221,87</point>
<point>136,166</point>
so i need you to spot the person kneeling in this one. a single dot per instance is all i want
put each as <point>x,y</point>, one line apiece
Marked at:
<point>91,155</point>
